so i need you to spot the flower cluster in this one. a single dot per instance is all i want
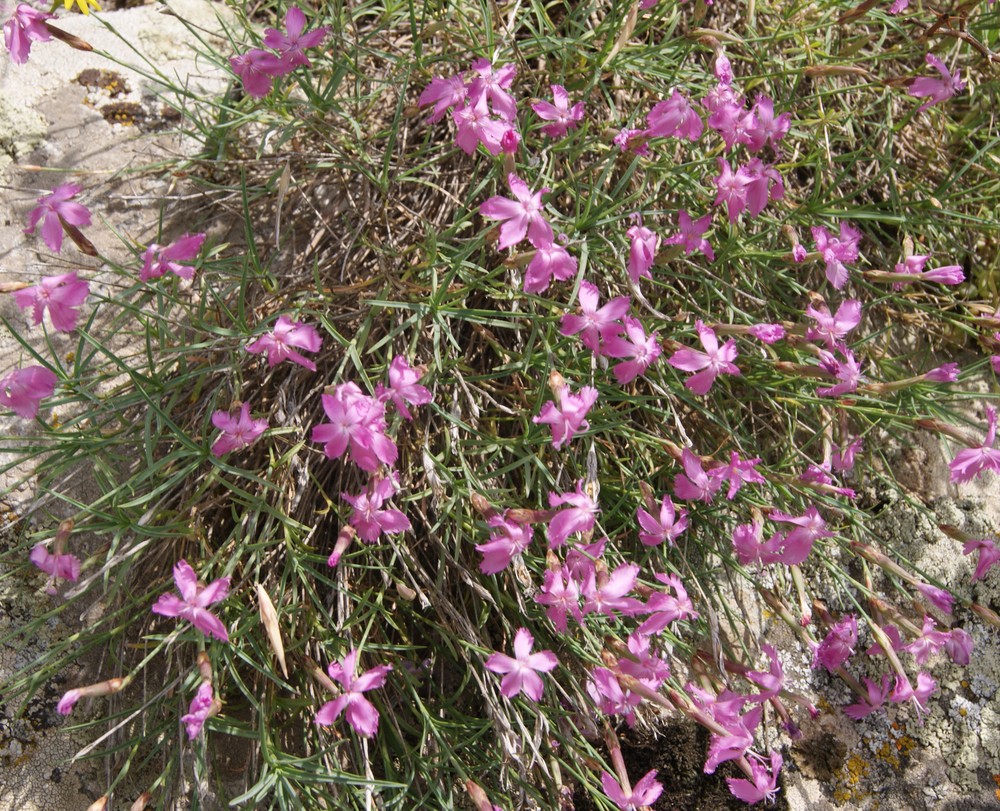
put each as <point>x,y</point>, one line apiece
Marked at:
<point>258,68</point>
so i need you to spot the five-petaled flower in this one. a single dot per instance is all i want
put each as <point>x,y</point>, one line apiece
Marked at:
<point>521,671</point>
<point>53,210</point>
<point>644,794</point>
<point>290,45</point>
<point>569,416</point>
<point>715,360</point>
<point>60,565</point>
<point>563,117</point>
<point>158,259</point>
<point>369,518</point>
<point>258,68</point>
<point>403,387</point>
<point>936,90</point>
<point>971,462</point>
<point>27,25</point>
<point>61,295</point>
<point>358,710</point>
<point>23,390</point>
<point>238,430</point>
<point>194,601</point>
<point>287,334</point>
<point>520,217</point>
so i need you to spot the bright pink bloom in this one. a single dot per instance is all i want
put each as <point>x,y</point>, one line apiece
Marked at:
<point>914,266</point>
<point>832,329</point>
<point>609,697</point>
<point>53,210</point>
<point>642,252</point>
<point>640,349</point>
<point>772,682</point>
<point>26,25</point>
<point>61,295</point>
<point>674,117</point>
<point>357,424</point>
<point>939,598</point>
<point>645,792</point>
<point>443,94</point>
<point>765,184</point>
<point>358,710</point>
<point>561,593</point>
<point>665,608</point>
<point>563,117</point>
<point>279,342</point>
<point>493,85</point>
<point>904,691</point>
<point>734,123</point>
<point>842,460</point>
<point>604,593</point>
<point>970,463</point>
<point>878,694</point>
<point>368,517</point>
<point>936,90</point>
<point>596,326</point>
<point>738,472</point>
<point>739,730</point>
<point>809,528</point>
<point>579,516</point>
<point>715,360</point>
<point>690,235</point>
<point>199,710</point>
<point>23,390</point>
<point>548,261</point>
<point>838,645</point>
<point>667,527</point>
<point>767,128</point>
<point>989,556</point>
<point>520,217</point>
<point>732,189</point>
<point>238,431</point>
<point>945,373</point>
<point>695,484</point>
<point>748,543</point>
<point>847,371</point>
<point>928,643</point>
<point>67,702</point>
<point>633,140</point>
<point>569,416</point>
<point>403,387</point>
<point>762,786</point>
<point>194,601</point>
<point>644,664</point>
<point>523,668</point>
<point>837,252</point>
<point>257,69</point>
<point>475,126</point>
<point>959,646</point>
<point>290,45</point>
<point>507,540</point>
<point>767,333</point>
<point>64,566</point>
<point>895,641</point>
<point>157,259</point>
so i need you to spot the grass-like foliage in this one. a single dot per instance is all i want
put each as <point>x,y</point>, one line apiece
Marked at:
<point>762,182</point>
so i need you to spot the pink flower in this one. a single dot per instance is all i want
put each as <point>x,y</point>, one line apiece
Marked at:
<point>520,216</point>
<point>403,387</point>
<point>643,663</point>
<point>62,566</point>
<point>928,643</point>
<point>847,371</point>
<point>939,598</point>
<point>674,117</point>
<point>809,528</point>
<point>507,540</point>
<point>914,266</point>
<point>358,710</point>
<point>842,460</point>
<point>765,184</point>
<point>959,646</point>
<point>257,69</point>
<point>548,261</point>
<point>194,601</point>
<point>878,694</point>
<point>632,140</point>
<point>695,484</point>
<point>838,645</point>
<point>61,295</point>
<point>290,46</point>
<point>26,25</point>
<point>768,128</point>
<point>936,90</point>
<point>237,431</point>
<point>443,94</point>
<point>731,189</point>
<point>989,556</point>
<point>596,326</point>
<point>767,333</point>
<point>474,126</point>
<point>579,516</point>
<point>279,342</point>
<point>665,608</point>
<point>522,670</point>
<point>604,593</point>
<point>199,711</point>
<point>53,210</point>
<point>667,527</point>
<point>561,593</point>
<point>904,691</point>
<point>945,373</point>
<point>368,517</point>
<point>158,259</point>
<point>640,349</point>
<point>837,252</point>
<point>493,85</point>
<point>690,235</point>
<point>642,252</point>
<point>563,117</point>
<point>715,360</point>
<point>738,472</point>
<point>971,462</point>
<point>68,702</point>
<point>734,123</point>
<point>23,390</point>
<point>607,694</point>
<point>833,328</point>
<point>764,782</point>
<point>357,424</point>
<point>771,682</point>
<point>569,416</point>
<point>645,793</point>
